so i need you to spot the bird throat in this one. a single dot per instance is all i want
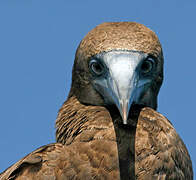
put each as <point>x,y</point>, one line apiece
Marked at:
<point>125,138</point>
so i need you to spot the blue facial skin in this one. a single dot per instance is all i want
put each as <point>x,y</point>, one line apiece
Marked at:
<point>121,77</point>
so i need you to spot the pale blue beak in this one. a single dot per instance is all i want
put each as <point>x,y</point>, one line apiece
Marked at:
<point>122,85</point>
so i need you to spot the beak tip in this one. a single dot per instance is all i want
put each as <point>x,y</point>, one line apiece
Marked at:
<point>124,112</point>
<point>124,121</point>
<point>124,117</point>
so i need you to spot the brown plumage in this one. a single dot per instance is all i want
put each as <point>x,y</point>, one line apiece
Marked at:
<point>94,140</point>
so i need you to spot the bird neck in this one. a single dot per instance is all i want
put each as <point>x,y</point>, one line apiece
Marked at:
<point>79,122</point>
<point>84,123</point>
<point>125,139</point>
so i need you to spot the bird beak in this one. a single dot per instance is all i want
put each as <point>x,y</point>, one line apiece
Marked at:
<point>123,89</point>
<point>122,81</point>
<point>121,85</point>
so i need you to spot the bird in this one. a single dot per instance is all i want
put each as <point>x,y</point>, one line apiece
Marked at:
<point>108,127</point>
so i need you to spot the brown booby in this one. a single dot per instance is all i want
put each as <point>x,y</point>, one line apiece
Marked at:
<point>108,128</point>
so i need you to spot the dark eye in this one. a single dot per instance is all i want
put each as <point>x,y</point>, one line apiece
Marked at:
<point>96,67</point>
<point>147,65</point>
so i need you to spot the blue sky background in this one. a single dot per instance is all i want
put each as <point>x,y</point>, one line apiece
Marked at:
<point>38,39</point>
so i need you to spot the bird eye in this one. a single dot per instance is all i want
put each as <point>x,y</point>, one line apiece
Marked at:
<point>147,65</point>
<point>96,67</point>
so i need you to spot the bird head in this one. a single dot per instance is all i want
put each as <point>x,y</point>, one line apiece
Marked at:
<point>118,64</point>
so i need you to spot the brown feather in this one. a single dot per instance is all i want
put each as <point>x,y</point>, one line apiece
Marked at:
<point>92,141</point>
<point>94,152</point>
<point>109,36</point>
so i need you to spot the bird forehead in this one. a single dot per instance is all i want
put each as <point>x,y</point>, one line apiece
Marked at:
<point>121,36</point>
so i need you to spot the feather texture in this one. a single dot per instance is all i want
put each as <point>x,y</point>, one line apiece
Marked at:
<point>94,146</point>
<point>92,142</point>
